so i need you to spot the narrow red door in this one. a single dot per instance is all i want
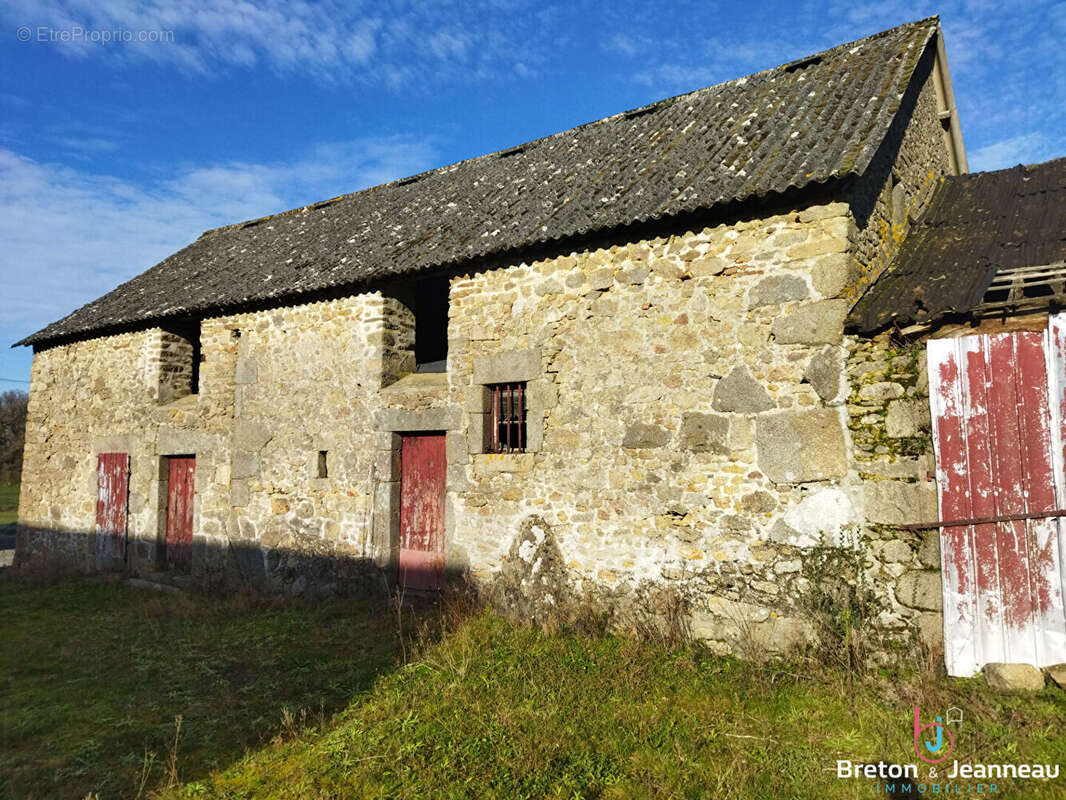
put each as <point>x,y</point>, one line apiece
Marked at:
<point>179,511</point>
<point>112,501</point>
<point>422,480</point>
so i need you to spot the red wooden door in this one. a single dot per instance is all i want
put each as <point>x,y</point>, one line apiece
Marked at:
<point>423,468</point>
<point>112,505</point>
<point>179,511</point>
<point>994,438</point>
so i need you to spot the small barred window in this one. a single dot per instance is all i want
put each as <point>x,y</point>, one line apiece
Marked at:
<point>508,410</point>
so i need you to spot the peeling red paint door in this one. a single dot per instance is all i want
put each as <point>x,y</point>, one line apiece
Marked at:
<point>994,434</point>
<point>423,467</point>
<point>112,507</point>
<point>180,491</point>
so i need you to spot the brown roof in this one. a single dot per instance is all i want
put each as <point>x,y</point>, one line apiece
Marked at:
<point>976,224</point>
<point>810,121</point>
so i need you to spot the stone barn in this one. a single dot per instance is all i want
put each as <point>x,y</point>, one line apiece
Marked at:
<point>621,359</point>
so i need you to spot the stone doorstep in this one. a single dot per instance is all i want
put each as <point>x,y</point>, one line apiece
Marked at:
<point>418,382</point>
<point>1004,677</point>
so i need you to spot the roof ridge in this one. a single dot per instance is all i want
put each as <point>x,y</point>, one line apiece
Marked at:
<point>632,112</point>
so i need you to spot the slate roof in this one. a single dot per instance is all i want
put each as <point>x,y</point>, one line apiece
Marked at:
<point>810,121</point>
<point>975,225</point>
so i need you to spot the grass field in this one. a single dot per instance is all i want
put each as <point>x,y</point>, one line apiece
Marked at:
<point>95,673</point>
<point>9,505</point>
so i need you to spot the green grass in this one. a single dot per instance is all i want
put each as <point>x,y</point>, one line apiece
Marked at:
<point>93,675</point>
<point>9,504</point>
<point>489,709</point>
<point>501,711</point>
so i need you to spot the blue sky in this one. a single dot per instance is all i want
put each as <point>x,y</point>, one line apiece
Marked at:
<point>115,154</point>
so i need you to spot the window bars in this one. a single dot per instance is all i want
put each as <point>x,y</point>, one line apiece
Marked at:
<point>508,418</point>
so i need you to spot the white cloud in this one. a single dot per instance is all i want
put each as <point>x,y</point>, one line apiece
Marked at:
<point>71,235</point>
<point>392,43</point>
<point>717,62</point>
<point>85,145</point>
<point>670,79</point>
<point>450,45</point>
<point>630,44</point>
<point>1027,148</point>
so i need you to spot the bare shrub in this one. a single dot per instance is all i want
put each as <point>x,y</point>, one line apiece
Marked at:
<point>843,606</point>
<point>170,773</point>
<point>535,586</point>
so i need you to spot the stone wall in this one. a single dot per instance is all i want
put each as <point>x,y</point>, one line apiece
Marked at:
<point>73,388</point>
<point>276,388</point>
<point>697,420</point>
<point>299,381</point>
<point>889,421</point>
<point>695,408</point>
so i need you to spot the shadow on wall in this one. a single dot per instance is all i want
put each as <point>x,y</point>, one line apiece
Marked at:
<point>236,566</point>
<point>533,584</point>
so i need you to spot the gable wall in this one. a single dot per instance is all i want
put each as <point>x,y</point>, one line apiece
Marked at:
<point>915,152</point>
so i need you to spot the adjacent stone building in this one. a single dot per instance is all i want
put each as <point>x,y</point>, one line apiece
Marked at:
<point>611,360</point>
<point>976,293</point>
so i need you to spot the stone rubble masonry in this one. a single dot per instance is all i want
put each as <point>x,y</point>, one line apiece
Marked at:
<point>895,464</point>
<point>802,446</point>
<point>824,373</point>
<point>697,419</point>
<point>739,391</point>
<point>921,590</point>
